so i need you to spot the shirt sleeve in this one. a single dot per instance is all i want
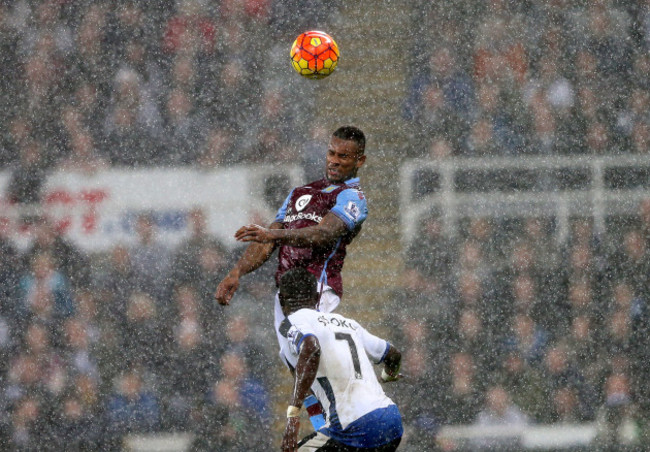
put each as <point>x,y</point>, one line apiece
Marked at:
<point>297,333</point>
<point>351,207</point>
<point>376,347</point>
<point>279,217</point>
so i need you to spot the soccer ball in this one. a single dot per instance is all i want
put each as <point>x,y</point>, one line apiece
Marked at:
<point>314,54</point>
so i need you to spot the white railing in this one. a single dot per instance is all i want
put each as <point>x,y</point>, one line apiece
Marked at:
<point>558,187</point>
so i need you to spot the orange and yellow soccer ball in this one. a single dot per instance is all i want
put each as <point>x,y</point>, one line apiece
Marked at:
<point>314,54</point>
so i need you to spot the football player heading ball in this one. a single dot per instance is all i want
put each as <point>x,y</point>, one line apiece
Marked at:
<point>312,228</point>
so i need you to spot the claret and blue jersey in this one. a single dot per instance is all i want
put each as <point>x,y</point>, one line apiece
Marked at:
<point>306,206</point>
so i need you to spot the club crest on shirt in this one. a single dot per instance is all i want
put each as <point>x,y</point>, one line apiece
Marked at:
<point>302,202</point>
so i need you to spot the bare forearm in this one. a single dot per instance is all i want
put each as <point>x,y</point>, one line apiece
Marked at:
<point>325,233</point>
<point>254,256</point>
<point>306,369</point>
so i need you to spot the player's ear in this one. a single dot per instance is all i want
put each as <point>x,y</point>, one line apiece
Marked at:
<point>361,160</point>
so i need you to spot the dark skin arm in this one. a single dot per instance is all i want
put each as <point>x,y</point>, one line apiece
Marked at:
<point>305,374</point>
<point>326,232</point>
<point>254,256</point>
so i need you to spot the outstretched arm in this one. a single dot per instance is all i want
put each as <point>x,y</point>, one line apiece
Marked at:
<point>326,232</point>
<point>254,256</point>
<point>305,373</point>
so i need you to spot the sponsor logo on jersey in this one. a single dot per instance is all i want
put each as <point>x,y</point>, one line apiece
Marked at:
<point>303,216</point>
<point>352,210</point>
<point>302,202</point>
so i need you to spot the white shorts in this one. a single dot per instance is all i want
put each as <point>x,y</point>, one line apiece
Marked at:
<point>329,300</point>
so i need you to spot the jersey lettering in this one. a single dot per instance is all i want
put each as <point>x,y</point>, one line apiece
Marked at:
<point>336,322</point>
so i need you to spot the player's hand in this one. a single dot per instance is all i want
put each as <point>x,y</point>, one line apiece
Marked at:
<point>290,438</point>
<point>388,377</point>
<point>226,289</point>
<point>254,233</point>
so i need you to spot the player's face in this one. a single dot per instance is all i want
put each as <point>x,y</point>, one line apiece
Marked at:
<point>343,160</point>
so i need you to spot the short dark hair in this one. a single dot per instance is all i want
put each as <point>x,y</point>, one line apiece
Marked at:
<point>351,133</point>
<point>298,288</point>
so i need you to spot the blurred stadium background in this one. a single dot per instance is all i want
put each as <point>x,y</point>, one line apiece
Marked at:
<point>506,251</point>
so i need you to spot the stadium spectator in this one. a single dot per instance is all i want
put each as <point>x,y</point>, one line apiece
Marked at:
<point>44,294</point>
<point>632,261</point>
<point>236,414</point>
<point>115,283</point>
<point>420,403</point>
<point>525,385</point>
<point>500,411</point>
<point>142,334</point>
<point>184,129</point>
<point>131,407</point>
<point>91,61</point>
<point>217,149</point>
<point>433,253</point>
<point>150,259</point>
<point>38,370</point>
<point>83,156</point>
<point>88,106</point>
<point>185,373</point>
<point>472,337</point>
<point>28,174</point>
<point>464,397</point>
<point>19,133</point>
<point>571,398</point>
<point>238,330</point>
<point>186,266</point>
<point>528,339</point>
<point>615,415</point>
<point>67,257</point>
<point>9,272</point>
<point>133,123</point>
<point>73,425</point>
<point>582,342</point>
<point>78,354</point>
<point>27,424</point>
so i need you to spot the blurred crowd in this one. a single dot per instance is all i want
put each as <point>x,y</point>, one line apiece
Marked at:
<point>93,347</point>
<point>500,323</point>
<point>503,324</point>
<point>96,347</point>
<point>506,323</point>
<point>132,83</point>
<point>506,78</point>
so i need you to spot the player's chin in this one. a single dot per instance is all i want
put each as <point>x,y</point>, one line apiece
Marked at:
<point>335,179</point>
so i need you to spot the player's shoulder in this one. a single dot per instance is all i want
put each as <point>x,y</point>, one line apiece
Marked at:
<point>353,187</point>
<point>304,315</point>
